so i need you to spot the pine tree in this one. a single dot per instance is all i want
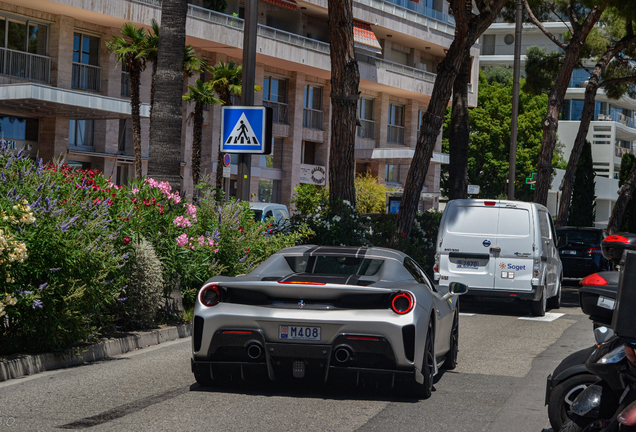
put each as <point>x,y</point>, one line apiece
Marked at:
<point>629,217</point>
<point>582,212</point>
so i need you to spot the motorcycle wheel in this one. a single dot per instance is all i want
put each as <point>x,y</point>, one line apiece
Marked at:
<point>563,395</point>
<point>581,424</point>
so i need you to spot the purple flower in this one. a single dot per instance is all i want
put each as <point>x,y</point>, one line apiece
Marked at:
<point>242,259</point>
<point>55,269</point>
<point>123,299</point>
<point>39,188</point>
<point>47,201</point>
<point>19,153</point>
<point>41,287</point>
<point>3,177</point>
<point>27,292</point>
<point>125,256</point>
<point>37,303</point>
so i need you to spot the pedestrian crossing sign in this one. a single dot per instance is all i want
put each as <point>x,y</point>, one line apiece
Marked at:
<point>246,129</point>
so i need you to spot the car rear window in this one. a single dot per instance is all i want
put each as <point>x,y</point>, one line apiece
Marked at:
<point>258,215</point>
<point>334,265</point>
<point>472,220</point>
<point>576,236</point>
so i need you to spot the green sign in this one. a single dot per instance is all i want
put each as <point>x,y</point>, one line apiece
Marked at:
<point>532,180</point>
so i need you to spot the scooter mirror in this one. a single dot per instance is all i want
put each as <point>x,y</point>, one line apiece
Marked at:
<point>602,334</point>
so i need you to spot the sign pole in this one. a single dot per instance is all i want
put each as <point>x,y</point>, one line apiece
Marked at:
<point>247,91</point>
<point>515,102</point>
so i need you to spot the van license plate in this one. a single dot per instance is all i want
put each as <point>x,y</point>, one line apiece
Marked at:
<point>299,333</point>
<point>605,302</point>
<point>467,264</point>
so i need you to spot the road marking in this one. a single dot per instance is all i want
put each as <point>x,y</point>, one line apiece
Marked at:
<point>466,314</point>
<point>549,317</point>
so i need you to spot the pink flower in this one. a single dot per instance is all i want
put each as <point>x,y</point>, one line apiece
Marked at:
<point>216,250</point>
<point>182,240</point>
<point>182,222</point>
<point>201,241</point>
<point>190,209</point>
<point>126,241</point>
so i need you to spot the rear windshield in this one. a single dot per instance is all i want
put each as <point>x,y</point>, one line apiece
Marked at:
<point>576,236</point>
<point>483,220</point>
<point>335,265</point>
<point>258,215</point>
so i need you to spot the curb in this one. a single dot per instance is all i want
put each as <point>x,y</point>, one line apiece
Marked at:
<point>19,365</point>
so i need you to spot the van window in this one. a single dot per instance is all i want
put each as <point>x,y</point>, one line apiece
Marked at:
<point>514,222</point>
<point>472,220</point>
<point>544,223</point>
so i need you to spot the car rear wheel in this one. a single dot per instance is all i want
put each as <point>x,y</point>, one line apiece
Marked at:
<point>555,302</point>
<point>425,389</point>
<point>451,357</point>
<point>538,307</point>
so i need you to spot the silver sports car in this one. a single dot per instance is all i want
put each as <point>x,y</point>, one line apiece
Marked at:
<point>308,312</point>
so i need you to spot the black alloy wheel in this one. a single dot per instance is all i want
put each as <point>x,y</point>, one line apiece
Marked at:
<point>450,362</point>
<point>563,395</point>
<point>425,389</point>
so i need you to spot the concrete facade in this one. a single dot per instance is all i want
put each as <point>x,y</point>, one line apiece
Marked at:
<point>292,49</point>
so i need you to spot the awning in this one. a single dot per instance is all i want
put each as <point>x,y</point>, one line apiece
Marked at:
<point>396,155</point>
<point>364,38</point>
<point>39,100</point>
<point>290,4</point>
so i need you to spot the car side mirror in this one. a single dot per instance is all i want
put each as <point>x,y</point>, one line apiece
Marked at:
<point>455,288</point>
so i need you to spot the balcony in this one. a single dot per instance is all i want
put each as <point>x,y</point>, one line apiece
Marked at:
<point>24,65</point>
<point>313,119</point>
<point>620,151</point>
<point>618,118</point>
<point>280,111</point>
<point>367,130</point>
<point>395,134</point>
<point>396,67</point>
<point>87,77</point>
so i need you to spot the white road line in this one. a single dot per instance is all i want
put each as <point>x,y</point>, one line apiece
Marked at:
<point>466,314</point>
<point>549,317</point>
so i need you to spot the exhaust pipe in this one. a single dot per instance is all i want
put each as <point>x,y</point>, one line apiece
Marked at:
<point>342,355</point>
<point>254,351</point>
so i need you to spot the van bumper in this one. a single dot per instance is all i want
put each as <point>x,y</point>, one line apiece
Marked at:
<point>533,294</point>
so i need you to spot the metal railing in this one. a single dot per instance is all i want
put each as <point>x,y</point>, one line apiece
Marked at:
<point>281,111</point>
<point>620,151</point>
<point>87,77</point>
<point>396,67</point>
<point>395,134</point>
<point>313,119</point>
<point>125,84</point>
<point>367,130</point>
<point>19,64</point>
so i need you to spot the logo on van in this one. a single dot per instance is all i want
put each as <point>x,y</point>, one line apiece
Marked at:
<point>486,243</point>
<point>504,266</point>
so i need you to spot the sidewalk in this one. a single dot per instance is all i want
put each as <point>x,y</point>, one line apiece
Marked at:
<point>19,365</point>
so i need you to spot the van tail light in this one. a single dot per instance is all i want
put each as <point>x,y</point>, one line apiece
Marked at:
<point>490,203</point>
<point>436,267</point>
<point>593,279</point>
<point>594,251</point>
<point>402,302</point>
<point>210,295</point>
<point>627,417</point>
<point>616,239</point>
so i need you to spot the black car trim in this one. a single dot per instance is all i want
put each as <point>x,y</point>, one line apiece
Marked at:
<point>468,255</point>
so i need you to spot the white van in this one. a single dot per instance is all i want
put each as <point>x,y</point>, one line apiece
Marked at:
<point>500,249</point>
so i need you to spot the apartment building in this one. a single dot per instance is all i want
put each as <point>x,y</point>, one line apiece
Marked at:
<point>64,94</point>
<point>612,132</point>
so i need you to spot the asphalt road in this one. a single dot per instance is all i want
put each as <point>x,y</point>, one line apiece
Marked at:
<point>499,385</point>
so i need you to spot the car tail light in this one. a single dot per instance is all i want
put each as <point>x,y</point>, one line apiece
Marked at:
<point>594,251</point>
<point>593,279</point>
<point>436,267</point>
<point>616,239</point>
<point>490,203</point>
<point>302,283</point>
<point>210,295</point>
<point>628,415</point>
<point>402,302</point>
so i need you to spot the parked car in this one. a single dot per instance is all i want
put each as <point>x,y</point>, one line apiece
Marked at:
<point>580,251</point>
<point>504,249</point>
<point>264,211</point>
<point>308,312</point>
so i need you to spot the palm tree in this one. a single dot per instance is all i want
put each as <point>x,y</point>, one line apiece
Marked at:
<point>192,63</point>
<point>130,50</point>
<point>201,94</point>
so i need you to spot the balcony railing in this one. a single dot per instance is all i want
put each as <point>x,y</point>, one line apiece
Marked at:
<point>396,67</point>
<point>313,119</point>
<point>24,65</point>
<point>87,77</point>
<point>620,151</point>
<point>280,110</point>
<point>618,118</point>
<point>125,84</point>
<point>395,134</point>
<point>367,130</point>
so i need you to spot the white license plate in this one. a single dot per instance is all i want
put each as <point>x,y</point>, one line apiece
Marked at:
<point>467,264</point>
<point>299,333</point>
<point>605,302</point>
<point>568,252</point>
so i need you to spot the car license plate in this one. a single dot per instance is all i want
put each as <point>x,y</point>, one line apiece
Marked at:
<point>467,264</point>
<point>568,252</point>
<point>299,333</point>
<point>605,302</point>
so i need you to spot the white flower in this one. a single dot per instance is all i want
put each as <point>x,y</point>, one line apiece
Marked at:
<point>336,218</point>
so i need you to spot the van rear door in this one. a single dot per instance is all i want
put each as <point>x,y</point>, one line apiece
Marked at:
<point>469,233</point>
<point>514,245</point>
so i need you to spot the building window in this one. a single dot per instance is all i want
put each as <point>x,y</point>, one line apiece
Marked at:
<point>81,133</point>
<point>275,97</point>
<point>125,81</point>
<point>308,153</point>
<point>78,165</point>
<point>19,128</point>
<point>124,136</point>
<point>395,132</point>
<point>23,35</point>
<point>392,173</point>
<point>312,113</point>
<point>365,115</point>
<point>488,45</point>
<point>87,75</point>
<point>275,158</point>
<point>124,174</point>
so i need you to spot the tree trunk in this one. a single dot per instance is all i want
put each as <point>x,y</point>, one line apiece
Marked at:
<point>555,101</point>
<point>164,162</point>
<point>458,135</point>
<point>345,79</point>
<point>197,131</point>
<point>135,102</point>
<point>468,28</point>
<point>152,93</point>
<point>624,196</point>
